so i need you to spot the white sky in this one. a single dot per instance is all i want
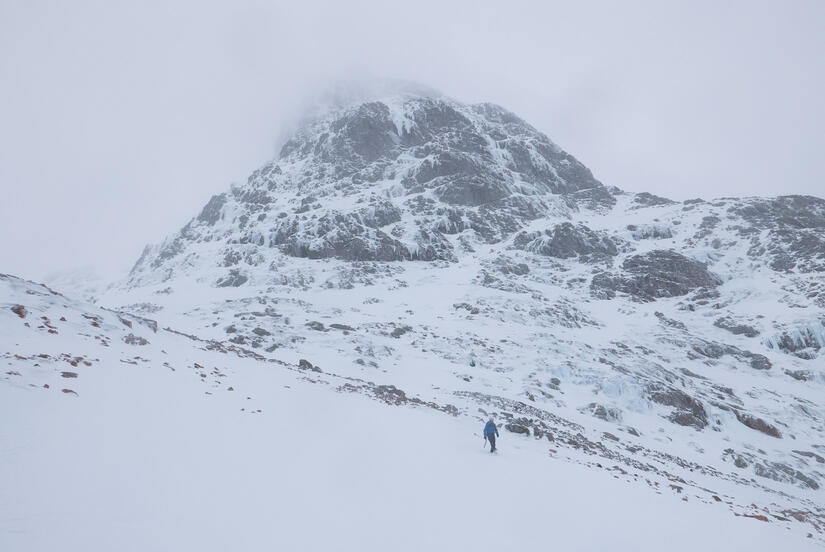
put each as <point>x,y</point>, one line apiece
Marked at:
<point>119,120</point>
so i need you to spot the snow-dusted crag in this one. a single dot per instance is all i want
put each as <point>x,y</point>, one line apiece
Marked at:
<point>451,256</point>
<point>397,180</point>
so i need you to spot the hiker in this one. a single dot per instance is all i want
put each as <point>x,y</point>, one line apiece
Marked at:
<point>490,434</point>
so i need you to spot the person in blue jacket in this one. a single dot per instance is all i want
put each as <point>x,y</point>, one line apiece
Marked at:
<point>490,434</point>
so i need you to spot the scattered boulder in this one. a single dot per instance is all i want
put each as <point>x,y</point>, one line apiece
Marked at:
<point>468,307</point>
<point>19,310</point>
<point>801,375</point>
<point>758,424</point>
<point>133,339</point>
<point>757,361</point>
<point>234,279</point>
<point>687,410</point>
<point>670,322</point>
<point>715,350</point>
<point>304,364</point>
<point>401,330</point>
<point>736,328</point>
<point>68,374</point>
<point>602,412</point>
<point>124,321</point>
<point>517,428</point>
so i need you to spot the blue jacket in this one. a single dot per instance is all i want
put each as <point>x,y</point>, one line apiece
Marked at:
<point>490,428</point>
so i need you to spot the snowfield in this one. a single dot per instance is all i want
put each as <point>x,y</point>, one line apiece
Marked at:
<point>142,459</point>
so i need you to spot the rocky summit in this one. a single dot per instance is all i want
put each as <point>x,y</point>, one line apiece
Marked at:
<point>432,254</point>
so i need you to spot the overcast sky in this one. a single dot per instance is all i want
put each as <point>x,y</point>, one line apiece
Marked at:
<point>118,122</point>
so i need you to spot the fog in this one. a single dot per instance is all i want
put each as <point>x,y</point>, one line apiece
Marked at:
<point>118,122</point>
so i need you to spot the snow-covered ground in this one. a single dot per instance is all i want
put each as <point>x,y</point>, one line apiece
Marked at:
<point>153,465</point>
<point>181,444</point>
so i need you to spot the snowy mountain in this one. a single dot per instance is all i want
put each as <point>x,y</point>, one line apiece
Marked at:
<point>451,260</point>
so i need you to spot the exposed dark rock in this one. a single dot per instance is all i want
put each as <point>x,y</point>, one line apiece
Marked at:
<point>317,326</point>
<point>516,428</point>
<point>68,374</point>
<point>654,275</point>
<point>234,279</point>
<point>714,350</point>
<point>565,241</point>
<point>670,322</point>
<point>381,213</point>
<point>133,339</point>
<point>212,210</point>
<point>125,322</point>
<point>757,361</point>
<point>484,170</point>
<point>342,327</point>
<point>796,231</point>
<point>778,471</point>
<point>19,310</point>
<point>304,364</point>
<point>758,424</point>
<point>801,375</point>
<point>347,237</point>
<point>736,328</point>
<point>688,411</point>
<point>602,412</point>
<point>707,226</point>
<point>801,212</point>
<point>598,198</point>
<point>261,332</point>
<point>809,454</point>
<point>390,394</point>
<point>508,266</point>
<point>649,200</point>
<point>401,330</point>
<point>468,307</point>
<point>803,341</point>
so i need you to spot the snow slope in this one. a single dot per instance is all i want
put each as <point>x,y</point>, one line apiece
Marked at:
<point>145,458</point>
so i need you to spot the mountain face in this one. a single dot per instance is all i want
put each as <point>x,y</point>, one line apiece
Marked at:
<point>390,181</point>
<point>433,254</point>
